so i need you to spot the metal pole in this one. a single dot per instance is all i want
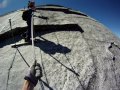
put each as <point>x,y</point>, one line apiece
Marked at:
<point>12,31</point>
<point>11,28</point>
<point>33,48</point>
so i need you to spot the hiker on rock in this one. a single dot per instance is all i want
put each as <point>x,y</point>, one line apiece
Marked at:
<point>27,16</point>
<point>31,79</point>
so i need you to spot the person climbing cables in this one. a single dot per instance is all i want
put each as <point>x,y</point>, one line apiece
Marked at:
<point>32,77</point>
<point>27,16</point>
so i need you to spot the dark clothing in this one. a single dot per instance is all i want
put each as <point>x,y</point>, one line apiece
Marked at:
<point>29,24</point>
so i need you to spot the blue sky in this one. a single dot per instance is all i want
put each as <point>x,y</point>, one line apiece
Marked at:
<point>105,11</point>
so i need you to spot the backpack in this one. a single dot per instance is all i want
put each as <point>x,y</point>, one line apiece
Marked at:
<point>25,15</point>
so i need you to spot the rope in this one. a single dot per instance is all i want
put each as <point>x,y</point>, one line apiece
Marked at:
<point>33,50</point>
<point>20,52</point>
<point>32,36</point>
<point>41,81</point>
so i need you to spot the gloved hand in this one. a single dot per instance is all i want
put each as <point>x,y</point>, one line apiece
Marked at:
<point>34,73</point>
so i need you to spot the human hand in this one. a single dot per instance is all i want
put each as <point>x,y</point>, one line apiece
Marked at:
<point>35,73</point>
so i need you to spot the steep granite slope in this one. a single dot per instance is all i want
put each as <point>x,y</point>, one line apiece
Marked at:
<point>75,51</point>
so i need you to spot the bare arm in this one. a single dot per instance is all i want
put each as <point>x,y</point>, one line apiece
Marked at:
<point>32,77</point>
<point>27,85</point>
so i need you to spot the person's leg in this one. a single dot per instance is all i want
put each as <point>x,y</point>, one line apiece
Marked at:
<point>28,29</point>
<point>29,25</point>
<point>24,35</point>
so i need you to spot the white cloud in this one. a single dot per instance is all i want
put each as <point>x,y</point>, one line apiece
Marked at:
<point>4,3</point>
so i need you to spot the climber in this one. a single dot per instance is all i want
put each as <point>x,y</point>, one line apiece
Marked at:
<point>27,16</point>
<point>31,79</point>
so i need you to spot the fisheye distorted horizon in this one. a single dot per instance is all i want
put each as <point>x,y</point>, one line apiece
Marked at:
<point>105,11</point>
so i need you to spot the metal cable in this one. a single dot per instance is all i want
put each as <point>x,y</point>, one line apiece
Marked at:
<point>76,74</point>
<point>10,69</point>
<point>12,31</point>
<point>23,57</point>
<point>15,43</point>
<point>69,62</point>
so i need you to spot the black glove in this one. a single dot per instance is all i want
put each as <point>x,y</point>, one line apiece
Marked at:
<point>34,73</point>
<point>43,17</point>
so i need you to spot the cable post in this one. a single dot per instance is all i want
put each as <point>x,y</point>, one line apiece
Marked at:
<point>11,28</point>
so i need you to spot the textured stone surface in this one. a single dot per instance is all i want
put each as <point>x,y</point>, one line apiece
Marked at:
<point>75,51</point>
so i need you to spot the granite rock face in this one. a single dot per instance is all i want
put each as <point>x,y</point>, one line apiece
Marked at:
<point>75,51</point>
